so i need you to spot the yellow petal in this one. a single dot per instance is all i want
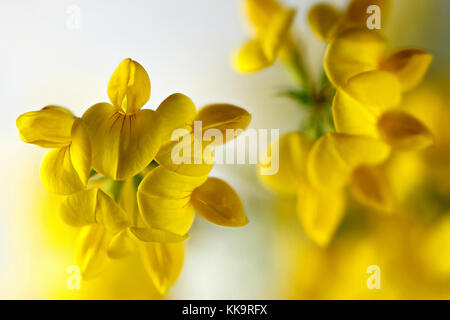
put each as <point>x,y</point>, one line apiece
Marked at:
<point>326,169</point>
<point>80,150</point>
<point>224,117</point>
<point>261,12</point>
<point>126,241</point>
<point>429,105</point>
<point>156,235</point>
<point>404,171</point>
<point>358,150</point>
<point>176,112</point>
<point>375,90</point>
<point>90,250</point>
<point>129,86</point>
<point>58,174</point>
<point>122,145</point>
<point>122,244</point>
<point>323,20</point>
<point>333,157</point>
<point>164,200</point>
<point>79,209</point>
<point>372,189</point>
<point>49,127</point>
<point>351,117</point>
<point>93,206</point>
<point>277,33</point>
<point>189,156</point>
<point>218,203</point>
<point>320,213</point>
<point>352,52</point>
<point>404,131</point>
<point>409,66</point>
<point>251,57</point>
<point>163,262</point>
<point>292,150</point>
<point>165,183</point>
<point>174,215</point>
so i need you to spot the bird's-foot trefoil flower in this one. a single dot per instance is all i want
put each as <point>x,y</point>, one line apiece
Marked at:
<point>357,62</point>
<point>167,201</point>
<point>125,139</point>
<point>351,131</point>
<point>169,194</point>
<point>109,232</point>
<point>395,126</point>
<point>319,173</point>
<point>66,167</point>
<point>190,135</point>
<point>116,170</point>
<point>270,22</point>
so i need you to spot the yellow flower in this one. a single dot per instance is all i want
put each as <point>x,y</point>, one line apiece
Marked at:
<point>326,21</point>
<point>168,195</point>
<point>162,261</point>
<point>408,171</point>
<point>318,172</point>
<point>356,62</point>
<point>397,127</point>
<point>430,106</point>
<point>66,167</point>
<point>178,113</point>
<point>270,22</point>
<point>124,138</point>
<point>339,160</point>
<point>167,201</point>
<point>108,232</point>
<point>335,155</point>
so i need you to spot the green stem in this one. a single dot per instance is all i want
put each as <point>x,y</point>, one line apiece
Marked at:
<point>293,60</point>
<point>315,99</point>
<point>114,187</point>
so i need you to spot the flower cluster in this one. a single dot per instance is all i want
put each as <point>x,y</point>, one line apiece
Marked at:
<point>356,115</point>
<point>114,170</point>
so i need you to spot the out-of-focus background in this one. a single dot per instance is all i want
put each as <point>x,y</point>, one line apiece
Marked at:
<point>186,46</point>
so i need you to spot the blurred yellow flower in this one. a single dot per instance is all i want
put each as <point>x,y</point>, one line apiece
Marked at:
<point>356,62</point>
<point>270,22</point>
<point>318,173</point>
<point>395,126</point>
<point>412,260</point>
